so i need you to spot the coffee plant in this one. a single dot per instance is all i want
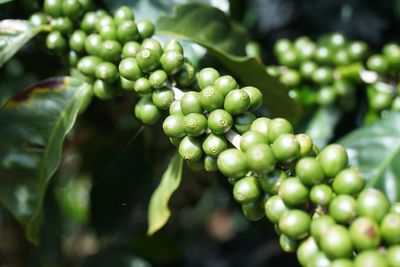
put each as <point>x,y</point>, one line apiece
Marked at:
<point>272,130</point>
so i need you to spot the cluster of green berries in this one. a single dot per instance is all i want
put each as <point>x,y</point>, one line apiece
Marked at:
<point>317,202</point>
<point>199,120</point>
<point>384,94</point>
<point>118,54</point>
<point>320,72</point>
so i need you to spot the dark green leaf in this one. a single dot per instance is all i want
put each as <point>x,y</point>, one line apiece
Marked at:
<point>375,150</point>
<point>151,9</point>
<point>159,213</point>
<point>14,34</point>
<point>322,125</point>
<point>5,1</point>
<point>211,28</point>
<point>34,125</point>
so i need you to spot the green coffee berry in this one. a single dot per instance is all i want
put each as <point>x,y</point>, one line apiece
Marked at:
<point>190,103</point>
<point>77,41</point>
<point>107,72</point>
<point>309,171</point>
<point>210,164</point>
<point>220,121</point>
<point>225,84</point>
<point>87,65</point>
<point>146,111</point>
<point>207,77</point>
<point>365,233</point>
<point>158,79</point>
<point>130,49</point>
<point>89,21</point>
<point>143,86</point>
<point>190,148</point>
<point>370,258</point>
<point>173,45</point>
<point>249,139</point>
<point>287,244</point>
<point>321,194</point>
<point>56,42</point>
<point>148,60</point>
<point>232,163</point>
<point>277,127</point>
<point>127,31</point>
<point>295,224</point>
<point>252,211</point>
<point>333,158</point>
<point>72,8</point>
<point>372,203</point>
<point>286,147</point>
<point>246,190</point>
<point>274,208</point>
<point>194,124</point>
<point>307,250</point>
<point>261,125</point>
<point>110,50</point>
<point>186,76</point>
<point>236,101</point>
<point>348,181</point>
<point>126,84</point>
<point>390,228</point>
<point>293,192</point>
<point>146,28</point>
<point>343,208</point>
<point>172,126</point>
<point>175,107</point>
<point>337,242</point>
<point>123,13</point>
<point>129,69</point>
<point>242,122</point>
<point>260,158</point>
<point>163,98</point>
<point>210,98</point>
<point>53,7</point>
<point>171,61</point>
<point>214,144</point>
<point>271,182</point>
<point>93,44</point>
<point>320,225</point>
<point>103,90</point>
<point>255,97</point>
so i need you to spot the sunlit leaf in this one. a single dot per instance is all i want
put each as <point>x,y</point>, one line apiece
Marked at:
<point>14,34</point>
<point>159,212</point>
<point>375,150</point>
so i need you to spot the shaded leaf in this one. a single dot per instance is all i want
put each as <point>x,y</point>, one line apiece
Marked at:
<point>375,150</point>
<point>34,125</point>
<point>159,213</point>
<point>14,34</point>
<point>226,41</point>
<point>322,125</point>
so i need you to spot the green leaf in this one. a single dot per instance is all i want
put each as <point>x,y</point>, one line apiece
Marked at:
<point>375,150</point>
<point>34,126</point>
<point>151,10</point>
<point>322,125</point>
<point>5,1</point>
<point>159,212</point>
<point>226,41</point>
<point>14,34</point>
